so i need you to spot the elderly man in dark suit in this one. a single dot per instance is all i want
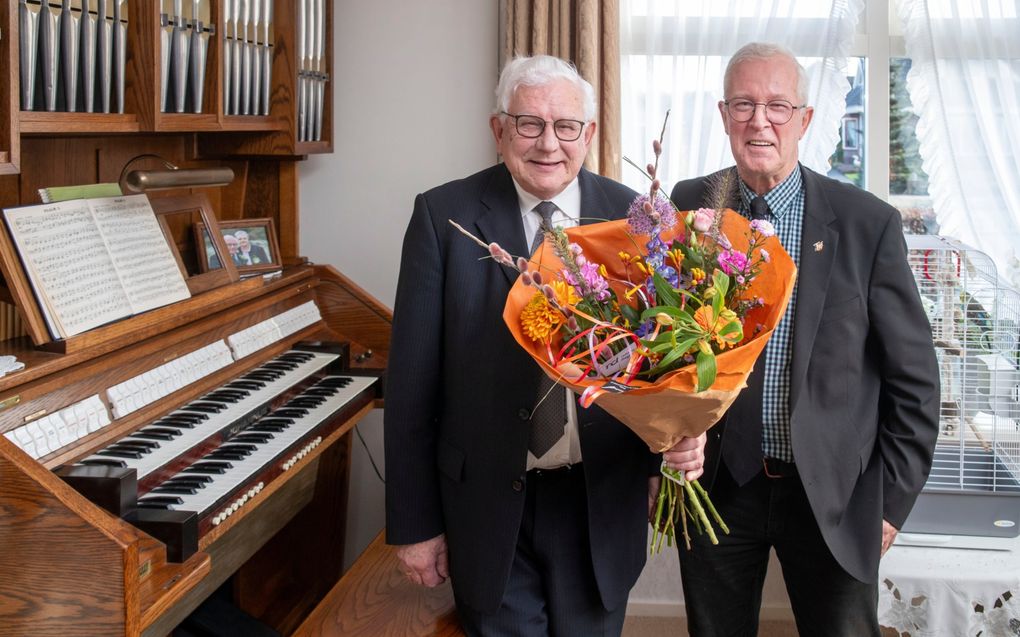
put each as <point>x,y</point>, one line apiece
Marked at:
<point>538,533</point>
<point>822,457</point>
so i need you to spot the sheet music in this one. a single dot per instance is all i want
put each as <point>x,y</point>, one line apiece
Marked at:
<point>92,261</point>
<point>72,274</point>
<point>141,256</point>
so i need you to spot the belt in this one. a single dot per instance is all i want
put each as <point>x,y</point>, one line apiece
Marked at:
<point>776,468</point>
<point>561,471</point>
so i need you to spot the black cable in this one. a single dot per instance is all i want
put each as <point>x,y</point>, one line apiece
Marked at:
<point>370,458</point>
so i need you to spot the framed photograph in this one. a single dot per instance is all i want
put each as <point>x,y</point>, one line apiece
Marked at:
<point>180,216</point>
<point>251,246</point>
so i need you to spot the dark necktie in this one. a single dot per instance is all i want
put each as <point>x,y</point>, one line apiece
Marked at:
<point>546,210</point>
<point>550,416</point>
<point>741,450</point>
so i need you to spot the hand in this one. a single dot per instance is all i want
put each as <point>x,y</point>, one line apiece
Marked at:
<point>888,535</point>
<point>688,456</point>
<point>654,483</point>
<point>425,563</point>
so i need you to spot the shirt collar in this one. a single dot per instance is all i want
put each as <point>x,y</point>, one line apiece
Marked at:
<point>568,201</point>
<point>779,198</point>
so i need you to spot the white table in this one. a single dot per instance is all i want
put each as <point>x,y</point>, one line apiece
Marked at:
<point>930,585</point>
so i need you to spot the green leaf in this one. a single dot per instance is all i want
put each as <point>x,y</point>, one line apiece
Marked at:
<point>665,293</point>
<point>668,359</point>
<point>706,371</point>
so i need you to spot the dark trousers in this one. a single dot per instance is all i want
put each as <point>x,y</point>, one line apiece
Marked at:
<point>552,588</point>
<point>723,584</point>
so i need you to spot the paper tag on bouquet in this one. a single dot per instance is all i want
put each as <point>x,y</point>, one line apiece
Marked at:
<point>615,364</point>
<point>675,476</point>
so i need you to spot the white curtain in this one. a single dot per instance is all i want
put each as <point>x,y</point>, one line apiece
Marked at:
<point>674,53</point>
<point>964,83</point>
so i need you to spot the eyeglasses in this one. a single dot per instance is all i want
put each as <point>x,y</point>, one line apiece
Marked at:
<point>776,111</point>
<point>532,126</point>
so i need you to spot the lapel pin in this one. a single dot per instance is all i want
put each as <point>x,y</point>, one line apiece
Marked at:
<point>819,245</point>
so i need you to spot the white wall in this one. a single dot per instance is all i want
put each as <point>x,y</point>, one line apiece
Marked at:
<point>415,85</point>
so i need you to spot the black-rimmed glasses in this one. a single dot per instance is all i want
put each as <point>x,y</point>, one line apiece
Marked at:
<point>776,111</point>
<point>532,126</point>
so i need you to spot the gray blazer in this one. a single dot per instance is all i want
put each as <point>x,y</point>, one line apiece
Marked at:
<point>864,392</point>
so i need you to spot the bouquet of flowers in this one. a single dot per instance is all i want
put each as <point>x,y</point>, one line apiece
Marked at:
<point>657,318</point>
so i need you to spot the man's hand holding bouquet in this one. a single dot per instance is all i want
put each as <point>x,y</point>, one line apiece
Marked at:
<point>657,318</point>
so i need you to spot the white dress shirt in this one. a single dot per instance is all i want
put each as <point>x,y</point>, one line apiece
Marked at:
<point>567,449</point>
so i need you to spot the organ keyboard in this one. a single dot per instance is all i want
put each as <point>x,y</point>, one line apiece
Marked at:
<point>203,450</point>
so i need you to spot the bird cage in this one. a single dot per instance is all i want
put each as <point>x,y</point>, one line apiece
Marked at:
<point>974,484</point>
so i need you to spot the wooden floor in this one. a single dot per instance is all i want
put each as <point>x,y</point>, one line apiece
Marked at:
<point>374,600</point>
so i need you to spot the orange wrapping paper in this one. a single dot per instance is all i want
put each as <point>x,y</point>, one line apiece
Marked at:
<point>666,410</point>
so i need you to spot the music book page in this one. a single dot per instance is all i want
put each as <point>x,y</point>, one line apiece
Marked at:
<point>141,256</point>
<point>91,262</point>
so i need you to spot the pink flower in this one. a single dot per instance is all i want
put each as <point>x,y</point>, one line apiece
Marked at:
<point>732,262</point>
<point>763,227</point>
<point>765,255</point>
<point>703,219</point>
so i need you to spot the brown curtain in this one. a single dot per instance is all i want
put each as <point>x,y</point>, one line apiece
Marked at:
<point>586,32</point>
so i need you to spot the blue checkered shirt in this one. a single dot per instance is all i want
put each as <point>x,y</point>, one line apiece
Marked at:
<point>786,205</point>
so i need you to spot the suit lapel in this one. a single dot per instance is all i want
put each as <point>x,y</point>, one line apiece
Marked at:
<point>501,222</point>
<point>818,246</point>
<point>595,205</point>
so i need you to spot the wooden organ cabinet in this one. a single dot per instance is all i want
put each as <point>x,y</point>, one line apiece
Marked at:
<point>82,551</point>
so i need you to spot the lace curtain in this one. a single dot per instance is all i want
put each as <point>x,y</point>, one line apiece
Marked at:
<point>964,83</point>
<point>674,52</point>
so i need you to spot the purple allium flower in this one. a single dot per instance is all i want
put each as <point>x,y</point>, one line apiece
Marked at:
<point>641,222</point>
<point>703,218</point>
<point>732,262</point>
<point>763,227</point>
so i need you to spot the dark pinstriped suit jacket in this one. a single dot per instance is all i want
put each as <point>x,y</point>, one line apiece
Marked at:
<point>864,395</point>
<point>458,386</point>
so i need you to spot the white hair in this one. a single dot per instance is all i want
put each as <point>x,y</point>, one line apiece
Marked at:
<point>540,70</point>
<point>765,50</point>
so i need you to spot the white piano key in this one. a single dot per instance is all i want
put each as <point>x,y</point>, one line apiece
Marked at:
<point>221,485</point>
<point>172,449</point>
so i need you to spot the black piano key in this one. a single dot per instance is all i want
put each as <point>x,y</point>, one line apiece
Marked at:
<point>175,488</point>
<point>119,453</point>
<point>208,407</point>
<point>221,454</point>
<point>335,381</point>
<point>280,366</point>
<point>152,435</point>
<point>322,391</point>
<point>194,479</point>
<point>147,504</point>
<point>247,384</point>
<point>173,432</point>
<point>309,402</point>
<point>139,443</point>
<point>267,428</point>
<point>105,462</point>
<point>201,468</point>
<point>238,446</point>
<point>290,412</point>
<point>165,499</point>
<point>184,416</point>
<point>256,437</point>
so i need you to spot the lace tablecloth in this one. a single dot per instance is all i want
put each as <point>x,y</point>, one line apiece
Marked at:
<point>950,592</point>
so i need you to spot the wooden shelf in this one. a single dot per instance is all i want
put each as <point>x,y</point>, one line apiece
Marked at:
<point>77,123</point>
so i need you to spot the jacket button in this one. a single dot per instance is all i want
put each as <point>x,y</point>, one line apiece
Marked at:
<point>517,485</point>
<point>523,414</point>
